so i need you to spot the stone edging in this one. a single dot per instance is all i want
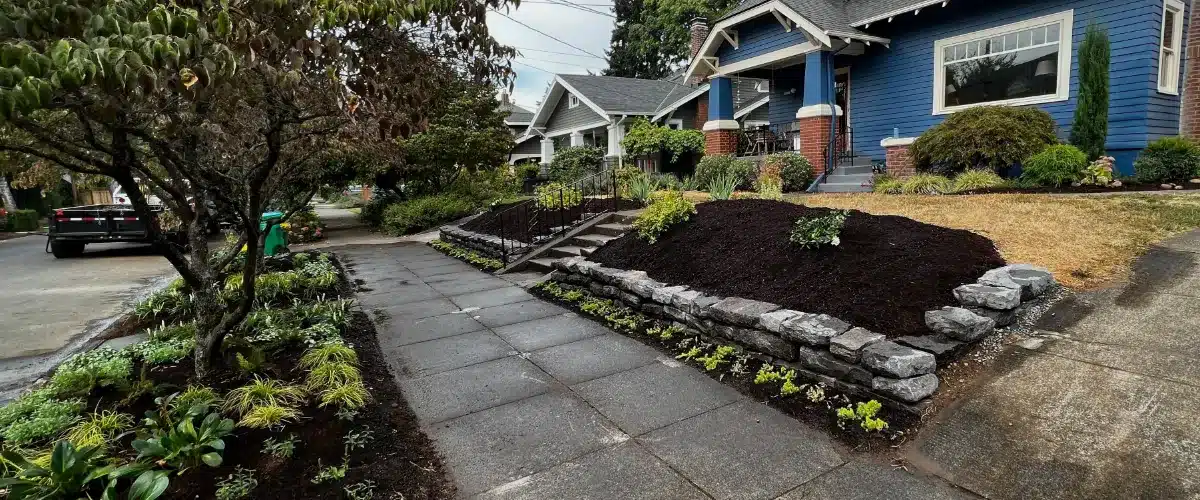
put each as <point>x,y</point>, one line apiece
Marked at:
<point>854,360</point>
<point>486,244</point>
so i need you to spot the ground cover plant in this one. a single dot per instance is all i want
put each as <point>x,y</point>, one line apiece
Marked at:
<point>668,209</point>
<point>466,255</point>
<point>530,222</point>
<point>308,391</point>
<point>1085,241</point>
<point>780,386</point>
<point>886,272</point>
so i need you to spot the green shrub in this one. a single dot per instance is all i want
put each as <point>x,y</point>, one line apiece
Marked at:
<point>528,171</point>
<point>1099,172</point>
<point>714,165</point>
<point>1170,159</point>
<point>555,196</point>
<point>927,184</point>
<point>886,184</point>
<point>976,179</point>
<point>795,170</point>
<point>1056,165</point>
<point>423,213</point>
<point>103,367</point>
<point>668,209</point>
<point>984,137</point>
<point>574,162</point>
<point>642,188</point>
<point>815,232</point>
<point>304,226</point>
<point>770,188</point>
<point>36,416</point>
<point>372,212</point>
<point>1089,128</point>
<point>23,220</point>
<point>722,186</point>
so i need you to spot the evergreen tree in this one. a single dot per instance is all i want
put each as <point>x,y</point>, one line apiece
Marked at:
<point>1090,126</point>
<point>651,38</point>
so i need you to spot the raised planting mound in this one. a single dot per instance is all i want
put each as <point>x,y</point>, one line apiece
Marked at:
<point>524,224</point>
<point>886,272</point>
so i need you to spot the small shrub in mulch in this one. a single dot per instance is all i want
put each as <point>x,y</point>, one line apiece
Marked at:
<point>884,275</point>
<point>525,224</point>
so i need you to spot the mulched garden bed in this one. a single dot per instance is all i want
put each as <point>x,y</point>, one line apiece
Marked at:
<point>526,224</point>
<point>886,273</point>
<point>1126,187</point>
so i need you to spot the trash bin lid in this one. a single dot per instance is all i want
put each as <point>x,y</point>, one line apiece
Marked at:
<point>266,216</point>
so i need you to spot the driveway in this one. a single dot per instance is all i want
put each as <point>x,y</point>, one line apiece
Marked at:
<point>51,303</point>
<point>1101,404</point>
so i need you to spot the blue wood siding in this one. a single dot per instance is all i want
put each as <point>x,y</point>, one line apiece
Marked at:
<point>787,94</point>
<point>892,87</point>
<point>756,37</point>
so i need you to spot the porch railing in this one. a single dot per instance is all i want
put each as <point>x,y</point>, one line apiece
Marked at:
<point>843,150</point>
<point>555,210</point>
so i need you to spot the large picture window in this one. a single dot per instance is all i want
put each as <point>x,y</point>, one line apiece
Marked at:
<point>1169,44</point>
<point>1022,63</point>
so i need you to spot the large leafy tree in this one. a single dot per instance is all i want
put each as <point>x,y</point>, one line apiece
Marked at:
<point>652,38</point>
<point>226,103</point>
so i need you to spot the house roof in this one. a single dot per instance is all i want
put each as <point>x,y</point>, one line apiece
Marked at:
<point>841,16</point>
<point>616,95</point>
<point>517,115</point>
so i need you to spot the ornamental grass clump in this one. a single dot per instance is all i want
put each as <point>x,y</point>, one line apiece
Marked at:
<point>976,179</point>
<point>667,210</point>
<point>816,232</point>
<point>722,186</point>
<point>927,184</point>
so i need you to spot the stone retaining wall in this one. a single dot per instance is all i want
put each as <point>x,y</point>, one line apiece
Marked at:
<point>486,244</point>
<point>853,360</point>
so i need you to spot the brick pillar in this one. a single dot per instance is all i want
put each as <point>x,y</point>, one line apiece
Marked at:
<point>814,139</point>
<point>702,109</point>
<point>1189,114</point>
<point>899,160</point>
<point>720,142</point>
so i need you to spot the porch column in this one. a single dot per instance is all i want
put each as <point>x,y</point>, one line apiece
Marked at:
<point>616,133</point>
<point>547,156</point>
<point>815,118</point>
<point>721,130</point>
<point>576,138</point>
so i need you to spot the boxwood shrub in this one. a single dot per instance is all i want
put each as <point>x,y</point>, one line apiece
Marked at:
<point>710,167</point>
<point>418,214</point>
<point>1170,159</point>
<point>795,170</point>
<point>991,137</point>
<point>23,220</point>
<point>1056,165</point>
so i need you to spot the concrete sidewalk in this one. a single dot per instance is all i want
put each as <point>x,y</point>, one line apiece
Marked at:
<point>527,400</point>
<point>1101,405</point>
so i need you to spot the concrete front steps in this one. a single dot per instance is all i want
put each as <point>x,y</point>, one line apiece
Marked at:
<point>857,177</point>
<point>583,244</point>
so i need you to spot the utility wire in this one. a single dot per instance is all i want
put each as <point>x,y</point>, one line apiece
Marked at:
<point>576,3</point>
<point>589,68</point>
<point>530,66</point>
<point>557,53</point>
<point>543,33</point>
<point>568,3</point>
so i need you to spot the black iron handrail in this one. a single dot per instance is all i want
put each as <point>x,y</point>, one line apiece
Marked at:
<point>843,149</point>
<point>597,194</point>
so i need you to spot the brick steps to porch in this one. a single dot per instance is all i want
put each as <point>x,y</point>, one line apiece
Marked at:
<point>584,244</point>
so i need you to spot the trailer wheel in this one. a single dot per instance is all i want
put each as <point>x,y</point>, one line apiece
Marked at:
<point>66,249</point>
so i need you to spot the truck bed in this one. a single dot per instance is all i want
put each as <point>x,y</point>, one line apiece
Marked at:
<point>97,223</point>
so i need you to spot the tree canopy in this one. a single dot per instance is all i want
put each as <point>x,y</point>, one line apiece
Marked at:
<point>652,38</point>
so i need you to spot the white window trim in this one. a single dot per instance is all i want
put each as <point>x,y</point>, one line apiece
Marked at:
<point>755,123</point>
<point>572,101</point>
<point>1172,84</point>
<point>676,121</point>
<point>1066,34</point>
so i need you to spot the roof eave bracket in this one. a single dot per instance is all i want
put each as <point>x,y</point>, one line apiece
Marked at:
<point>787,23</point>
<point>731,36</point>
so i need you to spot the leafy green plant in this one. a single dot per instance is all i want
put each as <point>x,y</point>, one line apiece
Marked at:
<point>667,181</point>
<point>163,351</point>
<point>1056,165</point>
<point>363,490</point>
<point>98,429</point>
<point>794,169</point>
<point>357,440</point>
<point>237,485</point>
<point>352,395</point>
<point>1099,172</point>
<point>282,448</point>
<point>767,374</point>
<point>815,232</point>
<point>770,188</point>
<point>37,416</point>
<point>575,162</point>
<point>557,196</point>
<point>72,471</point>
<point>711,166</point>
<point>346,414</point>
<point>1089,129</point>
<point>690,354</point>
<point>419,214</point>
<point>642,188</point>
<point>667,210</point>
<point>330,352</point>
<point>645,138</point>
<point>718,357</point>
<point>269,417</point>
<point>330,474</point>
<point>665,333</point>
<point>983,137</point>
<point>927,184</point>
<point>192,397</point>
<point>1168,160</point>
<point>722,185</point>
<point>83,372</point>
<point>172,301</point>
<point>886,184</point>
<point>864,414</point>
<point>263,392</point>
<point>974,179</point>
<point>187,444</point>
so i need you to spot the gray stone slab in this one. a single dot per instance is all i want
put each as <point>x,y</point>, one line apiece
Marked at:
<point>861,480</point>
<point>509,314</point>
<point>455,393</point>
<point>739,311</point>
<point>744,450</point>
<point>491,298</point>
<point>467,274</point>
<point>418,310</point>
<point>655,396</point>
<point>593,358</point>
<point>399,331</point>
<point>436,356</point>
<point>497,446</point>
<point>449,268</point>
<point>400,294</point>
<point>625,471</point>
<point>529,336</point>
<point>428,261</point>
<point>473,284</point>
<point>897,361</point>
<point>849,345</point>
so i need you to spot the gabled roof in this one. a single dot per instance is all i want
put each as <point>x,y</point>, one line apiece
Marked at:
<point>517,115</point>
<point>744,95</point>
<point>626,96</point>
<point>841,16</point>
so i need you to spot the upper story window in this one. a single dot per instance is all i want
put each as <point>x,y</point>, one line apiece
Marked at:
<point>572,102</point>
<point>1169,47</point>
<point>675,124</point>
<point>1028,62</point>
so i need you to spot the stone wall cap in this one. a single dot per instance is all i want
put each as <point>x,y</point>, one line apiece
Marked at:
<point>892,142</point>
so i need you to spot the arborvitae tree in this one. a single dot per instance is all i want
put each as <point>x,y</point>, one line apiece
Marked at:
<point>1090,127</point>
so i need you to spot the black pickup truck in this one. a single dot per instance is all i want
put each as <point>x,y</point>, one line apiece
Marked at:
<point>73,228</point>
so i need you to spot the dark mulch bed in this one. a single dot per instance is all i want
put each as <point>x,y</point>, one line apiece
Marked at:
<point>1124,188</point>
<point>525,224</point>
<point>887,272</point>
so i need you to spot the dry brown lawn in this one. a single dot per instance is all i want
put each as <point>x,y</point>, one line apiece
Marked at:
<point>1085,241</point>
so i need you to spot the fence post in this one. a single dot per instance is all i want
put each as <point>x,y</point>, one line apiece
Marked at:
<point>503,242</point>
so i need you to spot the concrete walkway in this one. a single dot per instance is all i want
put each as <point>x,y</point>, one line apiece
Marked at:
<point>527,400</point>
<point>1102,405</point>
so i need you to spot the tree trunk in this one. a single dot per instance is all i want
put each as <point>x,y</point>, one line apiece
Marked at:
<point>6,194</point>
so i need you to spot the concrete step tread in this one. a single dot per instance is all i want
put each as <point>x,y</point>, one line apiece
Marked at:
<point>569,249</point>
<point>598,239</point>
<point>543,263</point>
<point>616,227</point>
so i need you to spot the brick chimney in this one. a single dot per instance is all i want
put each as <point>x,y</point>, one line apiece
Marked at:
<point>699,31</point>
<point>1189,114</point>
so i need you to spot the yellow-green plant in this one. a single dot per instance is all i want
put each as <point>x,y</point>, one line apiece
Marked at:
<point>767,374</point>
<point>927,184</point>
<point>886,184</point>
<point>865,414</point>
<point>556,195</point>
<point>263,392</point>
<point>717,358</point>
<point>329,352</point>
<point>99,428</point>
<point>269,416</point>
<point>690,354</point>
<point>352,396</point>
<point>976,179</point>
<point>326,376</point>
<point>667,210</point>
<point>770,188</point>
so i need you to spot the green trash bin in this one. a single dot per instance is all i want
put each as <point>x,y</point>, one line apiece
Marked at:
<point>276,241</point>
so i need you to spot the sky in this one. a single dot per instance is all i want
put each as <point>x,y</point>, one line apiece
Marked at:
<point>586,30</point>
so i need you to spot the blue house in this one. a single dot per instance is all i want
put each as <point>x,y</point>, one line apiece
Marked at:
<point>869,76</point>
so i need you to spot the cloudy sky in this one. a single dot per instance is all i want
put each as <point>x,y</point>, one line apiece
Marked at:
<point>542,56</point>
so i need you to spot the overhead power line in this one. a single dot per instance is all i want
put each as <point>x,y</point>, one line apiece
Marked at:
<point>543,33</point>
<point>558,53</point>
<point>576,3</point>
<point>570,4</point>
<point>559,63</point>
<point>530,66</point>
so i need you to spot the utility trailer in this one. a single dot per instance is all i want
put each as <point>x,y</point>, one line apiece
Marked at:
<point>73,228</point>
